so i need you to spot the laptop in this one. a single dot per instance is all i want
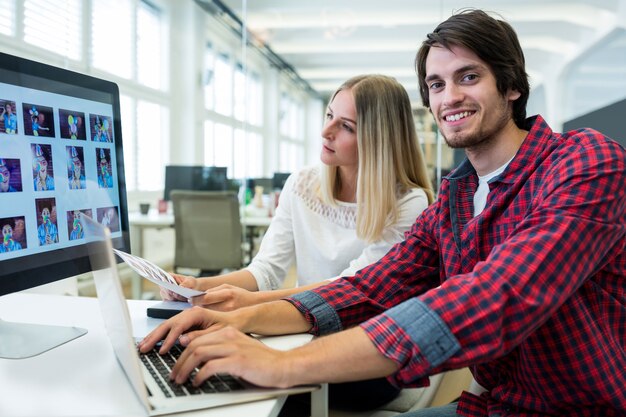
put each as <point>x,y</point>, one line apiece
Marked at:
<point>157,394</point>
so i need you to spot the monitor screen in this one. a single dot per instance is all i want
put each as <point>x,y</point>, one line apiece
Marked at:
<point>60,156</point>
<point>265,183</point>
<point>194,178</point>
<point>279,179</point>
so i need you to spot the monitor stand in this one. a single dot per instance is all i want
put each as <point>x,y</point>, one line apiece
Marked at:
<point>24,340</point>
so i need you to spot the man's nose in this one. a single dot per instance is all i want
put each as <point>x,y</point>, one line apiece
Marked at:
<point>453,94</point>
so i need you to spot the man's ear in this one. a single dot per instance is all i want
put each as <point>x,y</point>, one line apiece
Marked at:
<point>513,95</point>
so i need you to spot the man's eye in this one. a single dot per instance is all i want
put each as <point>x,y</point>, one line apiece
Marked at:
<point>435,85</point>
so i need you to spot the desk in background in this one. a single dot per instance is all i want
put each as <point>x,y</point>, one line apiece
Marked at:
<point>139,223</point>
<point>83,377</point>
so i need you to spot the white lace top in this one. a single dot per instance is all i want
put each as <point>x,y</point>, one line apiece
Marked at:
<point>322,238</point>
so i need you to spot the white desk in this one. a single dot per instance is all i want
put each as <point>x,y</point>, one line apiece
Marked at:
<point>82,377</point>
<point>138,223</point>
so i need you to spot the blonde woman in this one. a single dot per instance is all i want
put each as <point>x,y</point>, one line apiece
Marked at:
<point>337,218</point>
<point>343,215</point>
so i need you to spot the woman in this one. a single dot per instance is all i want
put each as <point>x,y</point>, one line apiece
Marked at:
<point>342,216</point>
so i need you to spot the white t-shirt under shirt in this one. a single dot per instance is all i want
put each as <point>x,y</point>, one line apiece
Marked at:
<point>321,237</point>
<point>480,196</point>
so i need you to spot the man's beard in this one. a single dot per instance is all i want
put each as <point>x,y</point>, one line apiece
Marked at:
<point>480,137</point>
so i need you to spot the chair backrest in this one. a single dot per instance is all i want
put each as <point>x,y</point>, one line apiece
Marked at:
<point>208,230</point>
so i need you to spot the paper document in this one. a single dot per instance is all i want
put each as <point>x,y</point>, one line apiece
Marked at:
<point>155,274</point>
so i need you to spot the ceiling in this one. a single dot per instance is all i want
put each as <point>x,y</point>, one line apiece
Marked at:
<point>327,41</point>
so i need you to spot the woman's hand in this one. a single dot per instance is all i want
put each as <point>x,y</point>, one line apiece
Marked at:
<point>183,281</point>
<point>226,297</point>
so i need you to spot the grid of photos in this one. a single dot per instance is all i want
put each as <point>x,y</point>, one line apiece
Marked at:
<point>56,162</point>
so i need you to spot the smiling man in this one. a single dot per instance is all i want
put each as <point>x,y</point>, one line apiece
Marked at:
<point>517,271</point>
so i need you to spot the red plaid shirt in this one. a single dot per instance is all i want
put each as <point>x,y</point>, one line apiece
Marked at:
<point>530,294</point>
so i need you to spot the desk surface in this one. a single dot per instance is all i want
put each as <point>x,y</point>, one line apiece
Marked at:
<point>155,219</point>
<point>82,377</point>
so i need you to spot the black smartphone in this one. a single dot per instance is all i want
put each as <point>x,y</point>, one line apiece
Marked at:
<point>167,309</point>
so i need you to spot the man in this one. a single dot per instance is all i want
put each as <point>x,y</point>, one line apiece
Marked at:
<point>47,231</point>
<point>517,271</point>
<point>10,119</point>
<point>8,243</point>
<point>109,219</point>
<point>105,180</point>
<point>5,178</point>
<point>76,176</point>
<point>77,227</point>
<point>41,180</point>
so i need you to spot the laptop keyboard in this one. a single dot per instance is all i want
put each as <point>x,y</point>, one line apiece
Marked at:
<point>160,367</point>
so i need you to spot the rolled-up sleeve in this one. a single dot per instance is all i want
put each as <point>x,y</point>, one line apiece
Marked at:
<point>414,337</point>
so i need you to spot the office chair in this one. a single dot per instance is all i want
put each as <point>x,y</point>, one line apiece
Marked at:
<point>208,231</point>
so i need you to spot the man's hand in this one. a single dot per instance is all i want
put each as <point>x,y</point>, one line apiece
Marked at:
<point>228,350</point>
<point>186,326</point>
<point>183,281</point>
<point>226,298</point>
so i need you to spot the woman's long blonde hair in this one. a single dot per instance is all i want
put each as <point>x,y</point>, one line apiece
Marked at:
<point>390,158</point>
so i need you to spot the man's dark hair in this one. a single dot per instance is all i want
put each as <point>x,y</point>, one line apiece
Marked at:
<point>493,41</point>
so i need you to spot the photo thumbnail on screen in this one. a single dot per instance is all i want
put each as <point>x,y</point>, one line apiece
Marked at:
<point>72,124</point>
<point>38,120</point>
<point>8,117</point>
<point>13,234</point>
<point>10,175</point>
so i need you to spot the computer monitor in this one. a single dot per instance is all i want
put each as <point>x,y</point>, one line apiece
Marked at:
<point>264,182</point>
<point>60,156</point>
<point>278,180</point>
<point>195,178</point>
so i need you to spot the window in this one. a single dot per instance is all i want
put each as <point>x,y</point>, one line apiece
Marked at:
<point>54,26</point>
<point>254,99</point>
<point>127,110</point>
<point>223,85</point>
<point>218,145</point>
<point>239,95</point>
<point>152,126</point>
<point>291,157</point>
<point>149,41</point>
<point>254,145</point>
<point>291,127</point>
<point>112,40</point>
<point>223,145</point>
<point>234,100</point>
<point>209,78</point>
<point>7,17</point>
<point>128,41</point>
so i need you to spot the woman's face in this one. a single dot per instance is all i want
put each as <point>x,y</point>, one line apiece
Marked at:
<point>339,147</point>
